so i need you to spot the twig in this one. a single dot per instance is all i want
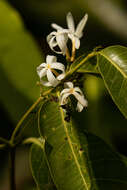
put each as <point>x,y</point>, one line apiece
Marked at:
<point>23,118</point>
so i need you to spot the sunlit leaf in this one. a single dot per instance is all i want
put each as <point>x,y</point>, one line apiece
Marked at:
<point>112,63</point>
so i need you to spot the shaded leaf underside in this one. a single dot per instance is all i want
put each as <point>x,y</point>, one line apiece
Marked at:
<point>40,169</point>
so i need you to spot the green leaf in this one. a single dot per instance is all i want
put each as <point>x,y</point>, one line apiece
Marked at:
<point>112,64</point>
<point>89,66</point>
<point>19,53</point>
<point>79,160</point>
<point>39,167</point>
<point>19,57</point>
<point>14,102</point>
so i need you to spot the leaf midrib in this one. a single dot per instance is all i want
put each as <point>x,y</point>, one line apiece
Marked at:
<point>113,63</point>
<point>72,149</point>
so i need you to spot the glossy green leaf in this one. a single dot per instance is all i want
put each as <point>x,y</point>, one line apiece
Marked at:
<point>79,160</point>
<point>39,167</point>
<point>112,63</point>
<point>89,66</point>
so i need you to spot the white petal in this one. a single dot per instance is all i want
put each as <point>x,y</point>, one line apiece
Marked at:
<point>61,76</point>
<point>63,99</point>
<point>45,83</point>
<point>58,66</point>
<point>64,31</point>
<point>79,107</point>
<point>68,85</point>
<point>62,42</point>
<point>41,71</point>
<point>55,26</point>
<point>41,66</point>
<point>58,52</point>
<point>81,26</point>
<point>51,78</point>
<point>50,59</point>
<point>81,99</point>
<point>64,91</point>
<point>77,43</point>
<point>77,89</point>
<point>52,43</point>
<point>70,22</point>
<point>75,40</point>
<point>52,34</point>
<point>71,36</point>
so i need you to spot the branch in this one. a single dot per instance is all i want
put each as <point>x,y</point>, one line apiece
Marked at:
<point>23,118</point>
<point>4,141</point>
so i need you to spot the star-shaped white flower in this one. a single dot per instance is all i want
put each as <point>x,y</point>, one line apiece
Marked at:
<point>58,38</point>
<point>76,34</point>
<point>76,92</point>
<point>50,69</point>
<point>71,32</point>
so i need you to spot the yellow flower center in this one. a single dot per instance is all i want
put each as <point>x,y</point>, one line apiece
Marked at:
<point>48,66</point>
<point>71,91</point>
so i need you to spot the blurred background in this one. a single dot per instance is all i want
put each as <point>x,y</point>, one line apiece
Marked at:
<point>24,25</point>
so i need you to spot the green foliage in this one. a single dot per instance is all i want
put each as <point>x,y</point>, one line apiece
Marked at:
<point>19,57</point>
<point>89,66</point>
<point>69,157</point>
<point>77,160</point>
<point>40,170</point>
<point>112,64</point>
<point>80,155</point>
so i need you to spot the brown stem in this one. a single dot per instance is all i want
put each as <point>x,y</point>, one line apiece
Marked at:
<point>23,118</point>
<point>55,72</point>
<point>12,169</point>
<point>68,58</point>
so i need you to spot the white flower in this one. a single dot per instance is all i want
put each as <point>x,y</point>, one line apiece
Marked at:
<point>76,92</point>
<point>58,38</point>
<point>49,69</point>
<point>76,34</point>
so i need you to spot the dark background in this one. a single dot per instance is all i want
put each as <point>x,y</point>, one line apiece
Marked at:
<point>24,25</point>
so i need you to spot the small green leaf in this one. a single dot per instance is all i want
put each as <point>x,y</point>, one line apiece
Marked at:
<point>79,160</point>
<point>39,167</point>
<point>112,64</point>
<point>89,66</point>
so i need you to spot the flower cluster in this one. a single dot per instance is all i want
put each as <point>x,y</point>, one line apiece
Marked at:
<point>52,72</point>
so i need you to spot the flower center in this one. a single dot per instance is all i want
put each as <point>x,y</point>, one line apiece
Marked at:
<point>71,91</point>
<point>59,33</point>
<point>48,66</point>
